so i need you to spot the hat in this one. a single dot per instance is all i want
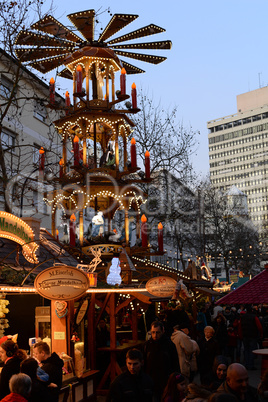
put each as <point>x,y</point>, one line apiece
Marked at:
<point>183,325</point>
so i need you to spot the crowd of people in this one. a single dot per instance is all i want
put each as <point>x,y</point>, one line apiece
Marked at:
<point>182,360</point>
<point>207,360</point>
<point>29,379</point>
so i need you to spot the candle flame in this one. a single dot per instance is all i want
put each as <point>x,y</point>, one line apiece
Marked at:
<point>61,162</point>
<point>160,226</point>
<point>143,218</point>
<point>41,151</point>
<point>133,141</point>
<point>52,81</point>
<point>123,71</point>
<point>67,94</point>
<point>133,86</point>
<point>147,154</point>
<point>73,218</point>
<point>76,139</point>
<point>79,68</point>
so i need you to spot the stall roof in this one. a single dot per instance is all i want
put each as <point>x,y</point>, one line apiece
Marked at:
<point>50,252</point>
<point>253,291</point>
<point>207,291</point>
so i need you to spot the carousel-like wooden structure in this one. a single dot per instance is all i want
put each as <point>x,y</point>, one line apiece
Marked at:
<point>95,170</point>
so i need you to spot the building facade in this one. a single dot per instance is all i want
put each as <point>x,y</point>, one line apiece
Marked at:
<point>26,126</point>
<point>238,153</point>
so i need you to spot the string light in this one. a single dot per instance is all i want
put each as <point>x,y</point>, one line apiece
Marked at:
<point>10,230</point>
<point>145,31</point>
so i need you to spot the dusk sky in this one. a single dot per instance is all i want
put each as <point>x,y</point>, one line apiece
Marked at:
<point>219,51</point>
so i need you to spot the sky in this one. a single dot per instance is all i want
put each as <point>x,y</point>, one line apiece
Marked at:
<point>219,50</point>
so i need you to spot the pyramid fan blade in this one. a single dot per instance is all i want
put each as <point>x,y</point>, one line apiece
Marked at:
<point>28,38</point>
<point>50,25</point>
<point>84,22</point>
<point>139,33</point>
<point>117,22</point>
<point>148,58</point>
<point>130,69</point>
<point>44,66</point>
<point>166,44</point>
<point>39,53</point>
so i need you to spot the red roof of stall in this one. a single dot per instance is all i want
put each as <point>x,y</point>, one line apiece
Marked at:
<point>253,291</point>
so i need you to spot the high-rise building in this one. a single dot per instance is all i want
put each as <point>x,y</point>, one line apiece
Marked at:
<point>238,153</point>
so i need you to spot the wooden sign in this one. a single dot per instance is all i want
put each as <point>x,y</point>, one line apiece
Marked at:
<point>61,282</point>
<point>81,312</point>
<point>162,286</point>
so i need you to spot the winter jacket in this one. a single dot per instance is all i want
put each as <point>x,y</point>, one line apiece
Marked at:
<point>53,367</point>
<point>131,388</point>
<point>160,360</point>
<point>250,327</point>
<point>12,366</point>
<point>250,396</point>
<point>185,348</point>
<point>40,392</point>
<point>12,397</point>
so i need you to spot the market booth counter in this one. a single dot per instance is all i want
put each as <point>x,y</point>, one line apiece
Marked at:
<point>75,389</point>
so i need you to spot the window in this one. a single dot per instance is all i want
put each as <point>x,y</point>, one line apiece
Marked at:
<point>237,123</point>
<point>256,118</point>
<point>36,154</point>
<point>219,128</point>
<point>8,140</point>
<point>5,87</point>
<point>40,111</point>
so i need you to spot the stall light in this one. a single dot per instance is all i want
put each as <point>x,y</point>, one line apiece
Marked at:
<point>17,289</point>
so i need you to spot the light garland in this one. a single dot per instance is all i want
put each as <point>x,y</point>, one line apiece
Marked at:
<point>114,66</point>
<point>125,19</point>
<point>80,120</point>
<point>47,20</point>
<point>11,289</point>
<point>145,31</point>
<point>104,193</point>
<point>162,267</point>
<point>9,230</point>
<point>122,291</point>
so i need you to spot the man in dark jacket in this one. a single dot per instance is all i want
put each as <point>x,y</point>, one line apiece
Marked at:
<point>250,330</point>
<point>133,385</point>
<point>236,384</point>
<point>160,358</point>
<point>52,364</point>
